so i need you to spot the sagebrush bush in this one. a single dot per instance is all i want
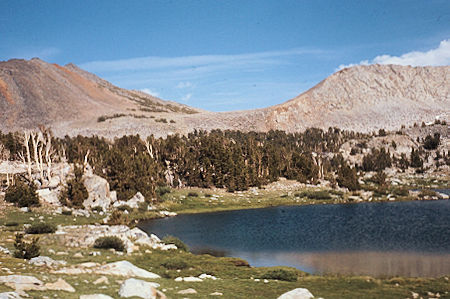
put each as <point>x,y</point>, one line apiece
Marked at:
<point>177,242</point>
<point>41,228</point>
<point>280,274</point>
<point>175,264</point>
<point>109,242</point>
<point>22,195</point>
<point>26,250</point>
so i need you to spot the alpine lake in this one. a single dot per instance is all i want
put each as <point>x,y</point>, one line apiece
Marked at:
<point>380,239</point>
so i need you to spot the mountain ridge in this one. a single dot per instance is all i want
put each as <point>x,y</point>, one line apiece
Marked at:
<point>70,101</point>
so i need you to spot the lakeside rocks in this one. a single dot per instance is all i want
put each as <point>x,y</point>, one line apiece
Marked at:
<point>85,236</point>
<point>299,293</point>
<point>140,288</point>
<point>133,202</point>
<point>200,278</point>
<point>21,283</point>
<point>60,285</point>
<point>10,295</point>
<point>120,268</point>
<point>187,291</point>
<point>46,261</point>
<point>125,268</point>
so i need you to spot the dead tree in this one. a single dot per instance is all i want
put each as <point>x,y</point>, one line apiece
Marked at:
<point>149,148</point>
<point>48,155</point>
<point>27,159</point>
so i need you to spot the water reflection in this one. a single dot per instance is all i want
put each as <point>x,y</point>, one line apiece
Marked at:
<point>357,262</point>
<point>393,238</point>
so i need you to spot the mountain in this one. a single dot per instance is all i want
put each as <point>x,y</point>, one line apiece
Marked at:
<point>35,93</point>
<point>365,98</point>
<point>72,101</point>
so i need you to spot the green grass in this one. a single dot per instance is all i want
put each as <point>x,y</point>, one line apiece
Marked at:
<point>234,281</point>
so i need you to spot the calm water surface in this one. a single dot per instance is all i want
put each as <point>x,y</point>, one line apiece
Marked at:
<point>391,238</point>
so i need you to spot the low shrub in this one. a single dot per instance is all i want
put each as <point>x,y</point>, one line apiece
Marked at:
<point>177,242</point>
<point>74,193</point>
<point>427,192</point>
<point>67,212</point>
<point>161,190</point>
<point>118,218</point>
<point>101,119</point>
<point>22,195</point>
<point>11,224</point>
<point>280,274</point>
<point>401,192</point>
<point>26,250</point>
<point>175,264</point>
<point>318,195</point>
<point>124,208</point>
<point>240,262</point>
<point>193,194</point>
<point>41,228</point>
<point>142,207</point>
<point>109,242</point>
<point>97,209</point>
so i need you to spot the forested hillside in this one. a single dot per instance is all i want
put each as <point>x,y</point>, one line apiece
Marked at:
<point>223,159</point>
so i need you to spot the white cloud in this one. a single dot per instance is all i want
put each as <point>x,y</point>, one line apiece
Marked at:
<point>187,97</point>
<point>150,92</point>
<point>203,62</point>
<point>433,57</point>
<point>182,85</point>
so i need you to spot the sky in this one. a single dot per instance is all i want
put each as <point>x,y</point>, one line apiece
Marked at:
<point>225,55</point>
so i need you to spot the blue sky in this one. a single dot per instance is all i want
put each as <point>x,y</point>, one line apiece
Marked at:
<point>225,55</point>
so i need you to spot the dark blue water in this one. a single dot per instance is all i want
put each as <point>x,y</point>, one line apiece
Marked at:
<point>265,236</point>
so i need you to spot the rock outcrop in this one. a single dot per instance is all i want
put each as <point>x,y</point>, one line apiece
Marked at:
<point>99,193</point>
<point>299,293</point>
<point>133,202</point>
<point>85,236</point>
<point>120,268</point>
<point>140,288</point>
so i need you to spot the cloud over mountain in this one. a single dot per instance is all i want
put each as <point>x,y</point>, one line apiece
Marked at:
<point>434,57</point>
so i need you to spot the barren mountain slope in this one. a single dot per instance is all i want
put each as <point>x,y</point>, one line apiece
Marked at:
<point>366,98</point>
<point>34,93</point>
<point>363,98</point>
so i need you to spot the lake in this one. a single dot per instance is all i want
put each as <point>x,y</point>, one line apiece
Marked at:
<point>390,238</point>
